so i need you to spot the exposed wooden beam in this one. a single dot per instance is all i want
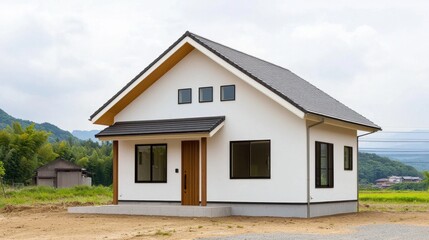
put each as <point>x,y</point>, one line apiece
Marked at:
<point>115,172</point>
<point>203,171</point>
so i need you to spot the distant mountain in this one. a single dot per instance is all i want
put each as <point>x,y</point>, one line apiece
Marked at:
<point>373,167</point>
<point>86,135</point>
<point>411,148</point>
<point>57,133</point>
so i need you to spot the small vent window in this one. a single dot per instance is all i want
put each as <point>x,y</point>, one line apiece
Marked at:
<point>227,93</point>
<point>185,96</point>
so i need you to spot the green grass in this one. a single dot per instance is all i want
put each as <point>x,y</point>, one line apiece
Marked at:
<point>84,195</point>
<point>394,196</point>
<point>48,195</point>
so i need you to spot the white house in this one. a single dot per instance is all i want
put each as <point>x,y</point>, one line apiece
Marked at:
<point>205,124</point>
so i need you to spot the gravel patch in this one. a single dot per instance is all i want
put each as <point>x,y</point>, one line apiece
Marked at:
<point>368,232</point>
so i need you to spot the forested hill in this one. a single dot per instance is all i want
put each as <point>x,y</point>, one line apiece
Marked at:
<point>373,167</point>
<point>56,132</point>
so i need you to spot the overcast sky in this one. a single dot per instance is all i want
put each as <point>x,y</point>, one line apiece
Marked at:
<point>60,61</point>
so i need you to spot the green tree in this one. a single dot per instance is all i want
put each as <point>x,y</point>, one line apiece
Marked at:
<point>19,151</point>
<point>426,179</point>
<point>2,170</point>
<point>2,173</point>
<point>22,150</point>
<point>63,149</point>
<point>83,162</point>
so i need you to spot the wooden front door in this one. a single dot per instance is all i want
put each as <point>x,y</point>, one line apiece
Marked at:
<point>190,173</point>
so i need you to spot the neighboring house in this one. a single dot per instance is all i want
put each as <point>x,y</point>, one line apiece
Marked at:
<point>409,179</point>
<point>61,173</point>
<point>207,124</point>
<point>387,182</point>
<point>383,183</point>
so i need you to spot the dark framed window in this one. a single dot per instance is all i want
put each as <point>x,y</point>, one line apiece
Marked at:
<point>206,94</point>
<point>324,165</point>
<point>348,158</point>
<point>227,93</point>
<point>151,163</point>
<point>185,96</point>
<point>250,159</point>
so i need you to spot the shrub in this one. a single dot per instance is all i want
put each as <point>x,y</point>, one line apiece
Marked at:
<point>422,186</point>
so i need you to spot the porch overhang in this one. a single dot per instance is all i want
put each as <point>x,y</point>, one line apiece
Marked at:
<point>182,128</point>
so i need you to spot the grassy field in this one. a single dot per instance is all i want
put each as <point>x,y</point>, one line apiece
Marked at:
<point>381,201</point>
<point>394,201</point>
<point>80,195</point>
<point>395,196</point>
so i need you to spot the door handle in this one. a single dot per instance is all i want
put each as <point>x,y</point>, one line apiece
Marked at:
<point>185,182</point>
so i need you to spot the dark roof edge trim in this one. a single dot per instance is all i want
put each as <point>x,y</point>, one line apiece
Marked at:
<point>140,74</point>
<point>173,119</point>
<point>220,120</point>
<point>146,134</point>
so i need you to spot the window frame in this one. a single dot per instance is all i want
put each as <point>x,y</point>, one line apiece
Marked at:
<point>350,158</point>
<point>249,141</point>
<point>199,94</point>
<point>221,87</point>
<point>178,96</point>
<point>330,165</point>
<point>151,162</point>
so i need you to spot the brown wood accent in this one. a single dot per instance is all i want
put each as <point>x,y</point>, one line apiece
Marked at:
<point>204,171</point>
<point>169,63</point>
<point>115,172</point>
<point>190,173</point>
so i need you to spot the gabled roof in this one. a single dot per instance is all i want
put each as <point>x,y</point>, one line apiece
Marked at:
<point>164,126</point>
<point>72,165</point>
<point>282,82</point>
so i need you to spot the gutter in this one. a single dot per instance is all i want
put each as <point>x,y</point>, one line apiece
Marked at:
<point>357,163</point>
<point>308,164</point>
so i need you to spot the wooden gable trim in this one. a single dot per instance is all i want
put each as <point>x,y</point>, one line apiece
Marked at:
<point>107,118</point>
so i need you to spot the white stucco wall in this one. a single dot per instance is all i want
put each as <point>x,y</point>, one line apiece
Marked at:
<point>252,116</point>
<point>345,181</point>
<point>129,190</point>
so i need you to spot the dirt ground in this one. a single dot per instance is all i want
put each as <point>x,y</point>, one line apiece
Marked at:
<point>53,222</point>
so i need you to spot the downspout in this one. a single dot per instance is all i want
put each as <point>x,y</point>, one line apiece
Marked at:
<point>308,164</point>
<point>357,164</point>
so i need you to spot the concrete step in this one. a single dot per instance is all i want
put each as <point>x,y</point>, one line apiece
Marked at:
<point>156,210</point>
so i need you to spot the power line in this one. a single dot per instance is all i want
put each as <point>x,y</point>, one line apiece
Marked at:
<point>393,148</point>
<point>393,140</point>
<point>389,151</point>
<point>411,132</point>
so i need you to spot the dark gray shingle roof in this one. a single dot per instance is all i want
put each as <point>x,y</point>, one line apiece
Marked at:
<point>286,84</point>
<point>281,81</point>
<point>164,126</point>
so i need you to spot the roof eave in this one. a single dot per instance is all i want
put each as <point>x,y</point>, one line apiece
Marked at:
<point>343,123</point>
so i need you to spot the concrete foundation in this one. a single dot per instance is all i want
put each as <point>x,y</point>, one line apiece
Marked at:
<point>155,210</point>
<point>266,209</point>
<point>325,209</point>
<point>221,209</point>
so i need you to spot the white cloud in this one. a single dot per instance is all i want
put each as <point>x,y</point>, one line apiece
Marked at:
<point>60,61</point>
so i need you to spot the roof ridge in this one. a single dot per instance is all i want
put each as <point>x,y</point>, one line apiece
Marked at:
<point>260,59</point>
